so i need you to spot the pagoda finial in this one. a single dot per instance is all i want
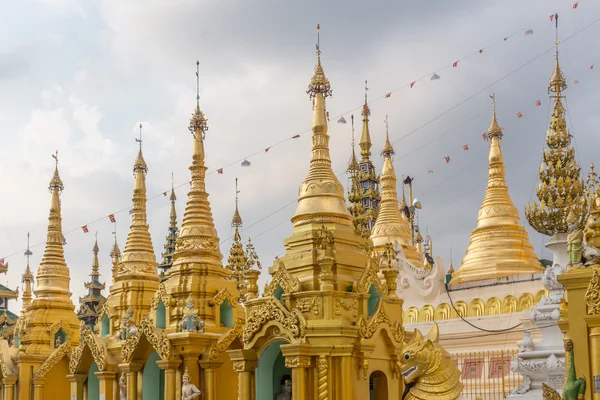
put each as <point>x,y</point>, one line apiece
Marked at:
<point>198,123</point>
<point>236,221</point>
<point>115,254</point>
<point>388,150</point>
<point>140,163</point>
<point>558,83</point>
<point>173,198</point>
<point>95,263</point>
<point>27,280</point>
<point>494,129</point>
<point>56,182</point>
<point>365,137</point>
<point>321,195</point>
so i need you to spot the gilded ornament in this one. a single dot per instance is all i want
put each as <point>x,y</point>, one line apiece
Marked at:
<point>53,359</point>
<point>297,362</point>
<point>370,277</point>
<point>223,343</point>
<point>190,321</point>
<point>283,279</point>
<point>306,304</point>
<point>429,369</point>
<point>239,366</point>
<point>322,381</point>
<point>221,296</point>
<point>156,337</point>
<point>162,295</point>
<point>364,367</point>
<point>366,328</point>
<point>592,295</point>
<point>349,305</point>
<point>87,339</point>
<point>292,322</point>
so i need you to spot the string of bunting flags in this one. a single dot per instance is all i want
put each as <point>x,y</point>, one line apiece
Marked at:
<point>245,163</point>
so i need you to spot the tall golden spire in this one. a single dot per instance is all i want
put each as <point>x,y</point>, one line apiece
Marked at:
<point>138,260</point>
<point>321,195</point>
<point>198,240</point>
<point>115,255</point>
<point>27,280</point>
<point>53,274</point>
<point>365,137</point>
<point>95,262</point>
<point>560,187</point>
<point>499,246</point>
<point>390,226</point>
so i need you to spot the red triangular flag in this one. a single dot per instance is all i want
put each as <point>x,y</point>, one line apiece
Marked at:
<point>466,147</point>
<point>190,183</point>
<point>295,136</point>
<point>412,84</point>
<point>519,115</point>
<point>575,5</point>
<point>538,103</point>
<point>592,67</point>
<point>165,194</point>
<point>388,95</point>
<point>1,261</point>
<point>506,38</point>
<point>484,136</point>
<point>267,149</point>
<point>447,159</point>
<point>112,218</point>
<point>552,18</point>
<point>85,229</point>
<point>220,171</point>
<point>481,51</point>
<point>455,64</point>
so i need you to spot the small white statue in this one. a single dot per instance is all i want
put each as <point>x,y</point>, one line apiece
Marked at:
<point>527,342</point>
<point>123,387</point>
<point>286,388</point>
<point>190,321</point>
<point>188,390</point>
<point>127,325</point>
<point>57,341</point>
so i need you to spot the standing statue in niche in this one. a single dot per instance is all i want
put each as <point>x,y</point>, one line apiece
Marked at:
<point>574,241</point>
<point>122,387</point>
<point>57,341</point>
<point>127,325</point>
<point>188,390</point>
<point>190,321</point>
<point>286,388</point>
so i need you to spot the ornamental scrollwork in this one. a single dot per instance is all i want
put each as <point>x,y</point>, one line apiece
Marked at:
<point>369,277</point>
<point>306,304</point>
<point>53,359</point>
<point>223,343</point>
<point>221,296</point>
<point>6,370</point>
<point>272,310</point>
<point>282,278</point>
<point>592,295</point>
<point>162,295</point>
<point>157,338</point>
<point>297,362</point>
<point>350,305</point>
<point>367,328</point>
<point>87,338</point>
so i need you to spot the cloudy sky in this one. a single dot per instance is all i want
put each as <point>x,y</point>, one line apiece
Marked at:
<point>79,77</point>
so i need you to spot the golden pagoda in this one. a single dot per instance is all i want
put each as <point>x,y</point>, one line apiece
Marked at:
<point>560,187</point>
<point>326,318</point>
<point>355,193</point>
<point>499,246</point>
<point>50,325</point>
<point>390,226</point>
<point>91,304</point>
<point>136,277</point>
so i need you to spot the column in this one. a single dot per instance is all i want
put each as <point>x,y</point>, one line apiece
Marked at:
<point>106,380</point>
<point>170,368</point>
<point>191,363</point>
<point>346,376</point>
<point>595,362</point>
<point>9,387</point>
<point>76,381</point>
<point>131,369</point>
<point>38,388</point>
<point>210,378</point>
<point>322,378</point>
<point>299,365</point>
<point>244,363</point>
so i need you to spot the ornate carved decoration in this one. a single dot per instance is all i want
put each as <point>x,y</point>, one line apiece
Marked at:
<point>369,277</point>
<point>325,244</point>
<point>322,367</point>
<point>156,337</point>
<point>162,295</point>
<point>239,366</point>
<point>367,328</point>
<point>272,310</point>
<point>282,278</point>
<point>53,359</point>
<point>87,338</point>
<point>105,310</point>
<point>350,305</point>
<point>364,366</point>
<point>221,296</point>
<point>6,370</point>
<point>306,304</point>
<point>297,362</point>
<point>223,343</point>
<point>592,295</point>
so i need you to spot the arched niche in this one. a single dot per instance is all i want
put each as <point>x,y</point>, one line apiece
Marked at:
<point>442,312</point>
<point>476,308</point>
<point>92,383</point>
<point>492,306</point>
<point>161,315</point>
<point>105,326</point>
<point>153,379</point>
<point>278,294</point>
<point>269,371</point>
<point>374,297</point>
<point>525,301</point>
<point>509,304</point>
<point>426,314</point>
<point>460,309</point>
<point>378,387</point>
<point>411,315</point>
<point>60,337</point>
<point>226,314</point>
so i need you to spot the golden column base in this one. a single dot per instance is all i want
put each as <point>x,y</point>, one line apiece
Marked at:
<point>38,388</point>
<point>170,368</point>
<point>210,378</point>
<point>106,380</point>
<point>244,363</point>
<point>9,386</point>
<point>77,385</point>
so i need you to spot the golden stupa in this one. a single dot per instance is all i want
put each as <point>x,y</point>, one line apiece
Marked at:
<point>499,246</point>
<point>390,226</point>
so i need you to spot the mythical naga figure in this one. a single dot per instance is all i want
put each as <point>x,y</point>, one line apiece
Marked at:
<point>190,321</point>
<point>127,325</point>
<point>574,388</point>
<point>427,369</point>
